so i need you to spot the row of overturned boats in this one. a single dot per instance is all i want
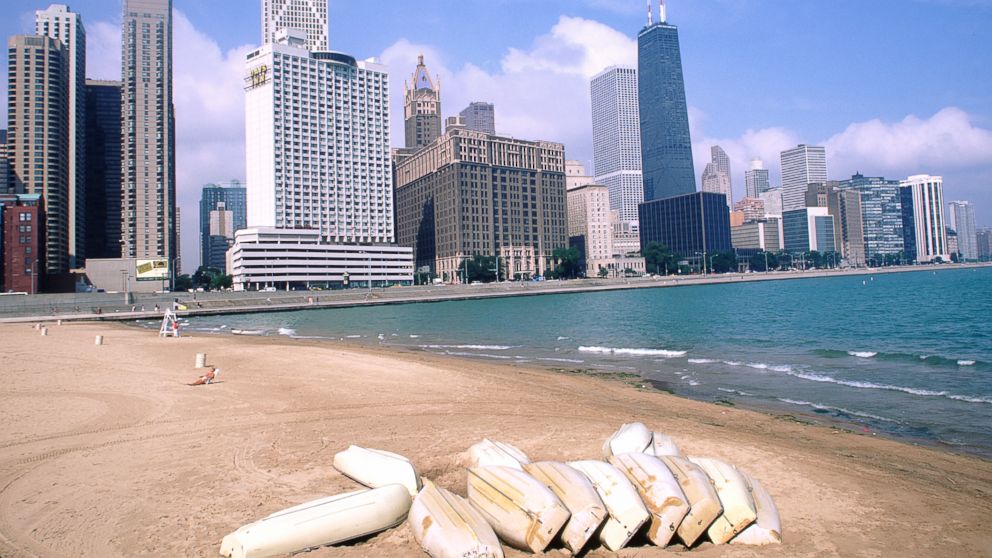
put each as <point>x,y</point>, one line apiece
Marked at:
<point>643,491</point>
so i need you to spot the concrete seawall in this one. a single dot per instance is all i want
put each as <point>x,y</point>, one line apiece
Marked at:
<point>113,308</point>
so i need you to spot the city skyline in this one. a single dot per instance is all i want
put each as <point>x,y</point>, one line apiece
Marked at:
<point>562,44</point>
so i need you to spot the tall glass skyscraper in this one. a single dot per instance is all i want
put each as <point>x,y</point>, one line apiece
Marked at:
<point>233,198</point>
<point>666,149</point>
<point>881,214</point>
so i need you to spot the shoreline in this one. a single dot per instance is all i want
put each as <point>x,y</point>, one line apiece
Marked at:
<point>108,452</point>
<point>260,302</point>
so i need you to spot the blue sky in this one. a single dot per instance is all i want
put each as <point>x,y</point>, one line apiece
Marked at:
<point>891,87</point>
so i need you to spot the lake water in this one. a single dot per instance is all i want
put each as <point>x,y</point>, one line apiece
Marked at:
<point>908,354</point>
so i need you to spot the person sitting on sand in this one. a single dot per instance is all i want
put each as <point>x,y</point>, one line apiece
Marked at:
<point>207,378</point>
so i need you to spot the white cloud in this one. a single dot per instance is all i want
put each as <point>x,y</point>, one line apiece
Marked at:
<point>103,50</point>
<point>539,93</point>
<point>946,140</point>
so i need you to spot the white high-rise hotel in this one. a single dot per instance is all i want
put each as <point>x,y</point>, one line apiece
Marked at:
<point>317,142</point>
<point>309,16</point>
<point>616,144</point>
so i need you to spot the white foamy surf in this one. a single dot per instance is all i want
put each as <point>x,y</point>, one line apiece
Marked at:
<point>633,352</point>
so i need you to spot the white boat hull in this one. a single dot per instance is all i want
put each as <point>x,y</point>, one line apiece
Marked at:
<point>374,468</point>
<point>704,504</point>
<point>631,437</point>
<point>489,453</point>
<point>580,498</point>
<point>331,520</point>
<point>659,491</point>
<point>767,528</point>
<point>627,511</point>
<point>738,507</point>
<point>523,512</point>
<point>662,445</point>
<point>447,526</point>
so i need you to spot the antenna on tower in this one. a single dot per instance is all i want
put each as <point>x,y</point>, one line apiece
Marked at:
<point>650,15</point>
<point>662,18</point>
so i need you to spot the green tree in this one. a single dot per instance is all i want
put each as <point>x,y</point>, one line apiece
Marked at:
<point>222,281</point>
<point>183,283</point>
<point>659,259</point>
<point>723,262</point>
<point>479,268</point>
<point>568,262</point>
<point>603,272</point>
<point>758,261</point>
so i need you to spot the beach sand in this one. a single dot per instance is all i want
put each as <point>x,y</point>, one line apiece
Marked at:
<point>104,450</point>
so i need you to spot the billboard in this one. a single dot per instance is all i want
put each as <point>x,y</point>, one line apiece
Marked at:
<point>151,270</point>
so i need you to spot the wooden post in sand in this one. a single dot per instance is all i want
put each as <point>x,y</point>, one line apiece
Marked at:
<point>99,340</point>
<point>201,360</point>
<point>44,331</point>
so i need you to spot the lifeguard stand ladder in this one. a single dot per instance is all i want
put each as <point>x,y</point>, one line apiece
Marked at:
<point>168,321</point>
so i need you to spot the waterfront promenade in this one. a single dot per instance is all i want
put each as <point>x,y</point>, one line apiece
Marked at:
<point>113,307</point>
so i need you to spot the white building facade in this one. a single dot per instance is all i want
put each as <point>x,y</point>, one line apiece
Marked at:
<point>616,132</point>
<point>264,257</point>
<point>801,167</point>
<point>927,193</point>
<point>962,216</point>
<point>317,143</point>
<point>309,16</point>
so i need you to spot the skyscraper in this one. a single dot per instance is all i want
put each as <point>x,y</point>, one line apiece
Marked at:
<point>309,16</point>
<point>480,117</point>
<point>616,139</point>
<point>4,164</point>
<point>801,167</point>
<point>233,197</point>
<point>59,23</point>
<point>422,107</point>
<point>38,136</point>
<point>716,176</point>
<point>589,226</point>
<point>923,200</point>
<point>756,179</point>
<point>881,215</point>
<point>317,143</point>
<point>963,221</point>
<point>148,133</point>
<point>103,169</point>
<point>666,148</point>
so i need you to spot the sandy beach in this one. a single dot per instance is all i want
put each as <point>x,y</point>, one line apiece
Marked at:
<point>105,451</point>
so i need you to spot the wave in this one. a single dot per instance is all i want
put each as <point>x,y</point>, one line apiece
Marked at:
<point>569,360</point>
<point>928,359</point>
<point>887,387</point>
<point>483,355</point>
<point>733,363</point>
<point>414,337</point>
<point>862,354</point>
<point>966,363</point>
<point>472,347</point>
<point>757,365</point>
<point>352,336</point>
<point>702,361</point>
<point>633,352</point>
<point>560,338</point>
<point>842,410</point>
<point>736,392</point>
<point>290,332</point>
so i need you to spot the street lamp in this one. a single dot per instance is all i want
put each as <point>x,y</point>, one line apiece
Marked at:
<point>711,262</point>
<point>766,261</point>
<point>31,271</point>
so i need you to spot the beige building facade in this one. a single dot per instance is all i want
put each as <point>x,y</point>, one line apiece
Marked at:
<point>38,135</point>
<point>589,220</point>
<point>470,193</point>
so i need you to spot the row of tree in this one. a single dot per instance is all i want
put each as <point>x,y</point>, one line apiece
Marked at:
<point>206,278</point>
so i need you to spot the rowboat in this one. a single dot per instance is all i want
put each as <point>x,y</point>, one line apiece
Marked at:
<point>632,437</point>
<point>374,468</point>
<point>489,453</point>
<point>522,511</point>
<point>627,512</point>
<point>659,491</point>
<point>330,520</point>
<point>738,506</point>
<point>767,528</point>
<point>446,526</point>
<point>579,496</point>
<point>704,504</point>
<point>662,445</point>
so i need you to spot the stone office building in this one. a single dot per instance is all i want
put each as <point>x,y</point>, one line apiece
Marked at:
<point>472,193</point>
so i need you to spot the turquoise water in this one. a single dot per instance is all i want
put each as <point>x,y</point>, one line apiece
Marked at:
<point>906,354</point>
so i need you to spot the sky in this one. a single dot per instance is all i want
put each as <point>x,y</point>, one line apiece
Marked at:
<point>891,87</point>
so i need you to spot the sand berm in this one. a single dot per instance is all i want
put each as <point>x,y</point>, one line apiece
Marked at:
<point>104,451</point>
